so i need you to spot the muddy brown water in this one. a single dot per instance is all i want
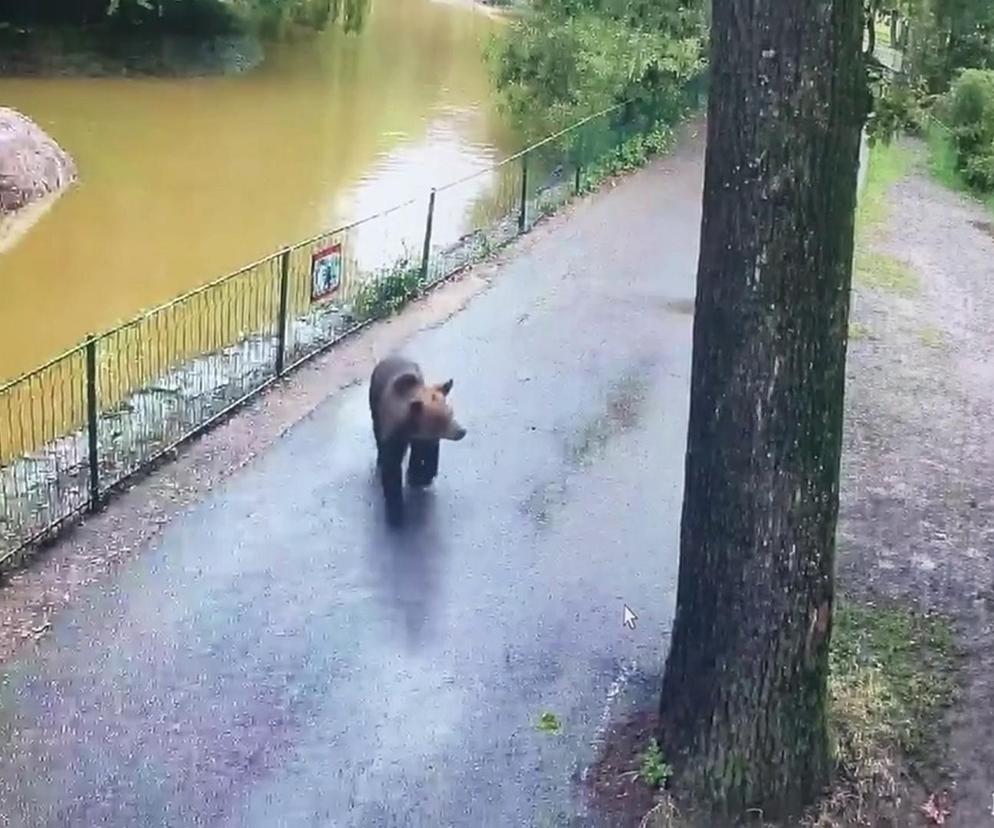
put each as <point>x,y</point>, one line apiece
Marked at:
<point>184,180</point>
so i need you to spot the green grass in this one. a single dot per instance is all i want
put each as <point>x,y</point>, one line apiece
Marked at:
<point>930,337</point>
<point>891,676</point>
<point>884,272</point>
<point>942,164</point>
<point>387,292</point>
<point>888,164</point>
<point>942,157</point>
<point>858,331</point>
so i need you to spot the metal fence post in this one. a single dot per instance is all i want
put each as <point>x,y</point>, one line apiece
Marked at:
<point>281,320</point>
<point>576,182</point>
<point>523,213</point>
<point>91,422</point>
<point>426,251</point>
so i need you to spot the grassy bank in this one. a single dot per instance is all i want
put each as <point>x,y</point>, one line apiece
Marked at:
<point>872,268</point>
<point>942,163</point>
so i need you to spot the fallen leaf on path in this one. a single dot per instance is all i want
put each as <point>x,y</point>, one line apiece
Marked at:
<point>549,723</point>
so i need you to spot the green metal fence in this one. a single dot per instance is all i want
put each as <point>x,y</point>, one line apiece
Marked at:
<point>74,429</point>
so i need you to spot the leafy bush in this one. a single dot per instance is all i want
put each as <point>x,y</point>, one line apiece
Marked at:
<point>946,37</point>
<point>568,58</point>
<point>898,106</point>
<point>970,108</point>
<point>387,292</point>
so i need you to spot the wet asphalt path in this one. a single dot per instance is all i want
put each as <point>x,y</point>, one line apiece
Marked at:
<point>278,658</point>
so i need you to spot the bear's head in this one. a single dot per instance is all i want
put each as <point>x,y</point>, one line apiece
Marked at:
<point>431,415</point>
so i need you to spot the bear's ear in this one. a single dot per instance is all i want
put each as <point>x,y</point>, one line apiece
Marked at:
<point>416,409</point>
<point>445,387</point>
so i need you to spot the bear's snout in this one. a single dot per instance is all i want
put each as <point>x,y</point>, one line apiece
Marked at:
<point>456,432</point>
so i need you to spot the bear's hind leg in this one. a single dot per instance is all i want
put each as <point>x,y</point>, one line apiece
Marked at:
<point>423,466</point>
<point>390,459</point>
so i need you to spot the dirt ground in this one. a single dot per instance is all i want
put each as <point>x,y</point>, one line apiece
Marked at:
<point>917,513</point>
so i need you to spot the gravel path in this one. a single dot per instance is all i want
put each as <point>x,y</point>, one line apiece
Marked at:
<point>918,472</point>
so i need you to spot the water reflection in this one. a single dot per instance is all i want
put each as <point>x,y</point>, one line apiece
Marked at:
<point>407,564</point>
<point>408,174</point>
<point>353,15</point>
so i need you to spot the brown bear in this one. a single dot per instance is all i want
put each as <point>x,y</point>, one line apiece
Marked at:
<point>408,412</point>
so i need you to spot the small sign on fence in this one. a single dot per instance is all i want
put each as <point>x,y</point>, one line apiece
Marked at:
<point>326,272</point>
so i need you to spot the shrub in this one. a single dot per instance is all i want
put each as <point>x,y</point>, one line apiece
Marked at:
<point>970,108</point>
<point>387,291</point>
<point>897,107</point>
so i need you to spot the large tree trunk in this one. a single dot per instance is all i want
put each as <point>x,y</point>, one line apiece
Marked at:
<point>744,692</point>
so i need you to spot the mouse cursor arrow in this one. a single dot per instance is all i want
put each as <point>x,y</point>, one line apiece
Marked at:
<point>630,618</point>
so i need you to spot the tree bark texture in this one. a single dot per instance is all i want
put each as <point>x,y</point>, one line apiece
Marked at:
<point>744,692</point>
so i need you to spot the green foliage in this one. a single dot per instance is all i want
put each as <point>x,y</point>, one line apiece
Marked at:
<point>944,165</point>
<point>891,674</point>
<point>946,36</point>
<point>942,156</point>
<point>387,292</point>
<point>630,155</point>
<point>969,25</point>
<point>888,164</point>
<point>858,331</point>
<point>197,16</point>
<point>654,771</point>
<point>569,58</point>
<point>275,17</point>
<point>899,106</point>
<point>549,723</point>
<point>884,272</point>
<point>970,109</point>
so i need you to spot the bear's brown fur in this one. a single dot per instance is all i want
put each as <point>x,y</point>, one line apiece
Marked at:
<point>406,411</point>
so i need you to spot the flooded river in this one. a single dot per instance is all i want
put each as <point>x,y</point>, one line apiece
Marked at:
<point>184,180</point>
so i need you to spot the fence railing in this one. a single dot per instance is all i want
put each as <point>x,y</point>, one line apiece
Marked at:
<point>74,429</point>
